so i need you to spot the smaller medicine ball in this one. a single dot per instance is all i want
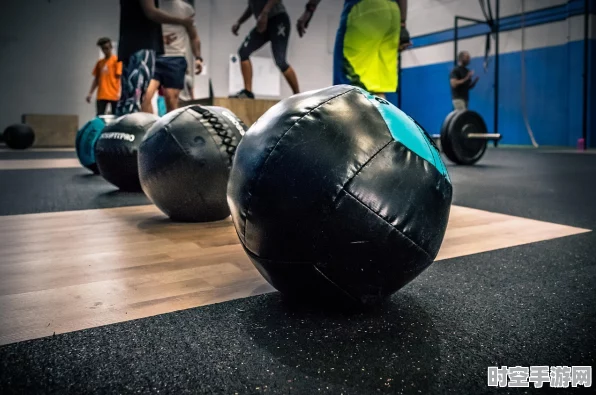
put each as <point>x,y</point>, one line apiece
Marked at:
<point>185,161</point>
<point>117,146</point>
<point>87,136</point>
<point>19,136</point>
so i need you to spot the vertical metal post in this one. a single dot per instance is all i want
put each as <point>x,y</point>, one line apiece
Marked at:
<point>455,37</point>
<point>399,81</point>
<point>497,29</point>
<point>586,71</point>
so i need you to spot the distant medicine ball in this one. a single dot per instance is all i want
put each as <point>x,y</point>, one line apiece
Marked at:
<point>185,161</point>
<point>117,146</point>
<point>19,136</point>
<point>86,138</point>
<point>337,195</point>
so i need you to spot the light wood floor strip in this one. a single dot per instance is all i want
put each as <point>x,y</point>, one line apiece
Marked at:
<point>28,164</point>
<point>3,149</point>
<point>65,271</point>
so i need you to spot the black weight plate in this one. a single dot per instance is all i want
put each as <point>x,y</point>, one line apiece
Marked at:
<point>446,146</point>
<point>466,151</point>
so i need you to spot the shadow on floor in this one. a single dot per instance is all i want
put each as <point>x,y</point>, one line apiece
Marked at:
<point>394,345</point>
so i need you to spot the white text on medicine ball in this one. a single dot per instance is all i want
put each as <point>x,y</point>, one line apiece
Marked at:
<point>118,136</point>
<point>234,121</point>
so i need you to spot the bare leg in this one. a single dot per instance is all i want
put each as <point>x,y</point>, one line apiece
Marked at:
<point>147,106</point>
<point>381,95</point>
<point>246,67</point>
<point>290,75</point>
<point>171,97</point>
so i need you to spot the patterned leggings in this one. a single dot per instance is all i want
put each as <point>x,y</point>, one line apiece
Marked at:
<point>136,76</point>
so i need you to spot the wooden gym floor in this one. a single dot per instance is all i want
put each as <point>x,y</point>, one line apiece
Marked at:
<point>66,271</point>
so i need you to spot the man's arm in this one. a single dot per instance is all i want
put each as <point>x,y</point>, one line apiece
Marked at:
<point>403,8</point>
<point>91,90</point>
<point>304,20</point>
<point>264,15</point>
<point>243,18</point>
<point>158,16</point>
<point>94,83</point>
<point>269,6</point>
<point>195,42</point>
<point>455,82</point>
<point>195,45</point>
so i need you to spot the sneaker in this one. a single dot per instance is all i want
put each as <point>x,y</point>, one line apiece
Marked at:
<point>243,94</point>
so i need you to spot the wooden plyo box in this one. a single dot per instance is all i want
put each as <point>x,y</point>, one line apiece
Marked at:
<point>249,110</point>
<point>53,130</point>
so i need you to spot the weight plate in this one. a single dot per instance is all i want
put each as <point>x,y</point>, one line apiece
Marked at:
<point>466,151</point>
<point>446,145</point>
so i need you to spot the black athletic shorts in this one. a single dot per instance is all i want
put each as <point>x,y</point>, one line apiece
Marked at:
<point>278,32</point>
<point>170,71</point>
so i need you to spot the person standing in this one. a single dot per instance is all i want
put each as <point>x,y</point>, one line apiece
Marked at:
<point>140,41</point>
<point>461,82</point>
<point>106,79</point>
<point>370,35</point>
<point>273,24</point>
<point>170,68</point>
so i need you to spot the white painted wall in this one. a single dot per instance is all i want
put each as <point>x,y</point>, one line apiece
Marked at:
<point>48,50</point>
<point>540,36</point>
<point>428,16</point>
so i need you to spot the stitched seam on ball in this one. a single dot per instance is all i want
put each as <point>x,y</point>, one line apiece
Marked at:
<point>430,149</point>
<point>273,149</point>
<point>388,223</point>
<point>211,132</point>
<point>167,128</point>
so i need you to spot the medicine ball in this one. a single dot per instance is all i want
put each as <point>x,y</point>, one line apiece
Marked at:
<point>337,195</point>
<point>19,136</point>
<point>116,149</point>
<point>185,160</point>
<point>86,138</point>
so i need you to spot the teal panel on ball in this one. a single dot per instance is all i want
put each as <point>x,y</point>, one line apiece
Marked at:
<point>86,139</point>
<point>407,132</point>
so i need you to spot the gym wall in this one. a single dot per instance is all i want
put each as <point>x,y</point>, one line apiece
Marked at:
<point>553,60</point>
<point>48,50</point>
<point>48,53</point>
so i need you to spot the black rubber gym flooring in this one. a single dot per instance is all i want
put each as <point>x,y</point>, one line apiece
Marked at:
<point>528,305</point>
<point>44,154</point>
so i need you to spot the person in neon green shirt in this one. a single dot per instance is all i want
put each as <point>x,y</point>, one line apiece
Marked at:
<point>367,42</point>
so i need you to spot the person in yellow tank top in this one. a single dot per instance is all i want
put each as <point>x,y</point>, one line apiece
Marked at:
<point>106,73</point>
<point>370,35</point>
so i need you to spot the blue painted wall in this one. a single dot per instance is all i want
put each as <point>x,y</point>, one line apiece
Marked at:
<point>553,95</point>
<point>554,84</point>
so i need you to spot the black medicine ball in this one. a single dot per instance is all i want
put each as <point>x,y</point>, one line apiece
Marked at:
<point>116,149</point>
<point>337,195</point>
<point>185,160</point>
<point>19,136</point>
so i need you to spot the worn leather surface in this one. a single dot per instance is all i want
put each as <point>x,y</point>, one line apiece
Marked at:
<point>327,203</point>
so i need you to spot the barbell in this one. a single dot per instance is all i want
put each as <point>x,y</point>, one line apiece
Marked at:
<point>464,137</point>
